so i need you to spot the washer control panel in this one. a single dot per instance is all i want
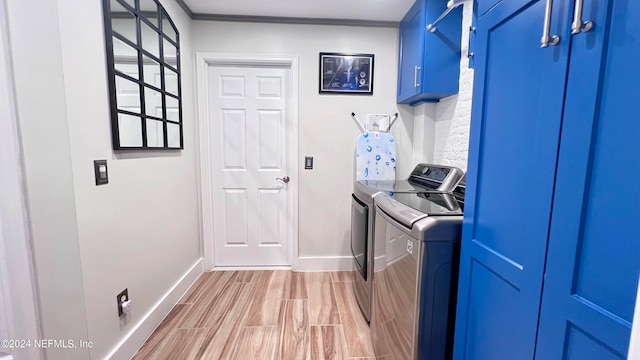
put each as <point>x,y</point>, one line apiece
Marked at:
<point>436,177</point>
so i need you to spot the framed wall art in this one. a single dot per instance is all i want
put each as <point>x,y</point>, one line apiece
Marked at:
<point>342,73</point>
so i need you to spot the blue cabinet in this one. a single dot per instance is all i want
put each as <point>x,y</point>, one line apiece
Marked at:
<point>429,63</point>
<point>593,259</point>
<point>551,246</point>
<point>516,120</point>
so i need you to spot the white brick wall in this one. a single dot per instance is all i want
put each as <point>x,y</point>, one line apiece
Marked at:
<point>452,115</point>
<point>424,120</point>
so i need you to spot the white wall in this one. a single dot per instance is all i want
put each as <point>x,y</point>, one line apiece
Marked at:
<point>5,115</point>
<point>41,109</point>
<point>453,114</point>
<point>449,127</point>
<point>18,301</point>
<point>326,130</point>
<point>140,231</point>
<point>424,127</point>
<point>5,296</point>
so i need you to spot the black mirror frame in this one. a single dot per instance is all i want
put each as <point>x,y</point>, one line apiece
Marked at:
<point>110,34</point>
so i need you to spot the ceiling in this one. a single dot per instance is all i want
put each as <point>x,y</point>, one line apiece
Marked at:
<point>368,10</point>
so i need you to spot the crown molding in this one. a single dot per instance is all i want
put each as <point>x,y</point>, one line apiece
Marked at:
<point>285,20</point>
<point>295,20</point>
<point>185,7</point>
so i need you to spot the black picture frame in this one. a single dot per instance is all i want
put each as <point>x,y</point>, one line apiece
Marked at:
<point>346,73</point>
<point>146,38</point>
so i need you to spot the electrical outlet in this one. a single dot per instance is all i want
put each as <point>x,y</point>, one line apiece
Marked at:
<point>127,306</point>
<point>122,298</point>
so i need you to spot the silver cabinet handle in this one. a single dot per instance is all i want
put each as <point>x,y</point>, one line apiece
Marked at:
<point>285,179</point>
<point>546,40</point>
<point>578,25</point>
<point>415,76</point>
<point>472,29</point>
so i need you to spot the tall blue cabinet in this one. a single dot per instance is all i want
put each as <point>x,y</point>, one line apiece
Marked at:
<point>429,63</point>
<point>551,237</point>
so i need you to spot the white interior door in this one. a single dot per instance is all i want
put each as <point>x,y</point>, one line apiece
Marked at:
<point>250,148</point>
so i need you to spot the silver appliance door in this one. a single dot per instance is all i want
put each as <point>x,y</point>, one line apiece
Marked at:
<point>359,233</point>
<point>395,289</point>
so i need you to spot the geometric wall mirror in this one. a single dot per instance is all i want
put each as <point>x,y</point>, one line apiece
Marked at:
<point>143,65</point>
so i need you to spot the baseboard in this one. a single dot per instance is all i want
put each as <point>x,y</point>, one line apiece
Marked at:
<point>239,268</point>
<point>141,332</point>
<point>323,263</point>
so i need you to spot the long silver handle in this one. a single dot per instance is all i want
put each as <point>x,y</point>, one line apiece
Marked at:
<point>285,179</point>
<point>415,76</point>
<point>472,29</point>
<point>578,25</point>
<point>546,40</point>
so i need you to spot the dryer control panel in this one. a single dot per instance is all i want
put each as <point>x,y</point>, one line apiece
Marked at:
<point>437,177</point>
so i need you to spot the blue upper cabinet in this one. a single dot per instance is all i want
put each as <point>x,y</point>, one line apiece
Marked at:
<point>429,63</point>
<point>412,31</point>
<point>551,246</point>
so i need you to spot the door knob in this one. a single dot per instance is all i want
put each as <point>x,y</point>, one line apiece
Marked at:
<point>285,179</point>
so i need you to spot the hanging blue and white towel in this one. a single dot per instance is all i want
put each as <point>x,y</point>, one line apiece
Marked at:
<point>376,156</point>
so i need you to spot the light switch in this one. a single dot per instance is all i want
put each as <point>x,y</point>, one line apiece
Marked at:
<point>308,162</point>
<point>101,172</point>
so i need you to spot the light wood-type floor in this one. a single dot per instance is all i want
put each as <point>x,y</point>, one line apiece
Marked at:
<point>263,315</point>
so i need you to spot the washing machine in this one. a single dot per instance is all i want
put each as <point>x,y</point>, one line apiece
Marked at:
<point>424,178</point>
<point>417,255</point>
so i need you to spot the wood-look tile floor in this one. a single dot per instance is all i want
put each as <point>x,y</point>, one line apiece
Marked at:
<point>272,314</point>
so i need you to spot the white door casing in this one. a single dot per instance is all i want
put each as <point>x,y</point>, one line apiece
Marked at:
<point>248,138</point>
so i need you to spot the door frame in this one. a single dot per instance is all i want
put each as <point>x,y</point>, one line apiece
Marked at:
<point>204,60</point>
<point>18,291</point>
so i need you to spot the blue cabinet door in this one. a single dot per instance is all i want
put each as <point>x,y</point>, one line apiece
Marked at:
<point>441,60</point>
<point>429,63</point>
<point>593,260</point>
<point>517,111</point>
<point>412,29</point>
